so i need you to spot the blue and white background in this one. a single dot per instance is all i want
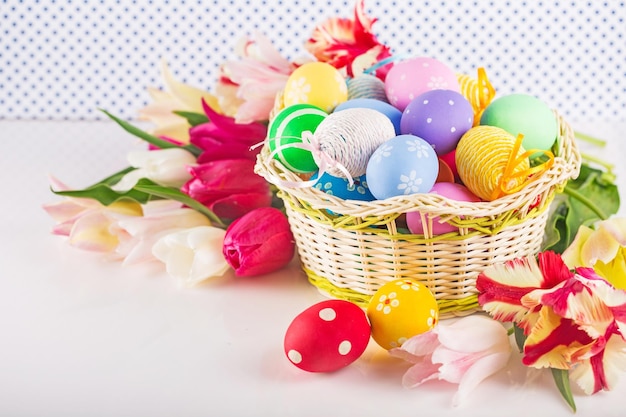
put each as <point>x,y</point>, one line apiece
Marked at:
<point>65,59</point>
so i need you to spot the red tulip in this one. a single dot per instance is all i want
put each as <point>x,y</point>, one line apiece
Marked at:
<point>229,187</point>
<point>259,242</point>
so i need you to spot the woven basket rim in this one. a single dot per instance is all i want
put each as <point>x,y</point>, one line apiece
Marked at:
<point>566,166</point>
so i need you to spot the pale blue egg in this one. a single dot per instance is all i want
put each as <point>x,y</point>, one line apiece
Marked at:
<point>404,165</point>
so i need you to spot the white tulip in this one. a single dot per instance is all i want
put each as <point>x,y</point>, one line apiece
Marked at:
<point>192,255</point>
<point>164,166</point>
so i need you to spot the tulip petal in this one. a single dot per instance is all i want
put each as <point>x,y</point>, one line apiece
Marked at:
<point>572,255</point>
<point>478,372</point>
<point>554,342</point>
<point>616,227</point>
<point>192,97</point>
<point>416,347</point>
<point>592,377</point>
<point>600,245</point>
<point>91,232</point>
<point>419,373</point>
<point>474,333</point>
<point>192,255</point>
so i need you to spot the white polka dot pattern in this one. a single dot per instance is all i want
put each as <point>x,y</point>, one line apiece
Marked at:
<point>63,60</point>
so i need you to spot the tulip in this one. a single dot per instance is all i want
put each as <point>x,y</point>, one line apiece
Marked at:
<point>89,224</point>
<point>164,166</point>
<point>603,249</point>
<point>259,242</point>
<point>192,255</point>
<point>340,42</point>
<point>247,87</point>
<point>464,352</point>
<point>573,320</point>
<point>223,138</point>
<point>177,97</point>
<point>228,187</point>
<point>160,217</point>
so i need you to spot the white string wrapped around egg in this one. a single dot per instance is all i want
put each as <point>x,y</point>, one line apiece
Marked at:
<point>343,143</point>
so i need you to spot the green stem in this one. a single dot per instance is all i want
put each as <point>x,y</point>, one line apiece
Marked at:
<point>590,139</point>
<point>573,193</point>
<point>598,161</point>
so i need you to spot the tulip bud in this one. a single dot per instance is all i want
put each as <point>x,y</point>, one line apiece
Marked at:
<point>259,242</point>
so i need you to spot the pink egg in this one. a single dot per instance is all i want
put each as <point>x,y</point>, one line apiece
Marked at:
<point>327,336</point>
<point>450,190</point>
<point>412,77</point>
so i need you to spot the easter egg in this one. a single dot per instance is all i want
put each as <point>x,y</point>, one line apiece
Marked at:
<point>450,160</point>
<point>341,188</point>
<point>399,310</point>
<point>450,190</point>
<point>482,156</point>
<point>287,127</point>
<point>440,117</point>
<point>327,336</point>
<point>316,83</point>
<point>525,114</point>
<point>445,172</point>
<point>403,165</point>
<point>366,86</point>
<point>346,140</point>
<point>409,78</point>
<point>385,108</point>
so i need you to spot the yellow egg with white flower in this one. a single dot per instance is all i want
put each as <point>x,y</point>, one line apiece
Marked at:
<point>399,310</point>
<point>316,83</point>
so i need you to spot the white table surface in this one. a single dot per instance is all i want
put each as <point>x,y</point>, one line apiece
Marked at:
<point>81,335</point>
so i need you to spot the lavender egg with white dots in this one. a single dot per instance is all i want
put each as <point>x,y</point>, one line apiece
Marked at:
<point>440,117</point>
<point>403,165</point>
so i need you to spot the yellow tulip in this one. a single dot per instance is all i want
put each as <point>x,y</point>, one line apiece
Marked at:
<point>602,248</point>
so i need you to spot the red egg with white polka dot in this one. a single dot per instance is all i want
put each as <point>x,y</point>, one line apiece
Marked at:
<point>327,336</point>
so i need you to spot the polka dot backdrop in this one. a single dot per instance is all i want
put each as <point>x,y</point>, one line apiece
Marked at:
<point>66,59</point>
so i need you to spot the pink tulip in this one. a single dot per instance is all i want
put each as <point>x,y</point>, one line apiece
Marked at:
<point>464,352</point>
<point>247,86</point>
<point>229,187</point>
<point>223,138</point>
<point>259,242</point>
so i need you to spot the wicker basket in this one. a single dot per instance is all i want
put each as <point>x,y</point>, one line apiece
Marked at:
<point>350,255</point>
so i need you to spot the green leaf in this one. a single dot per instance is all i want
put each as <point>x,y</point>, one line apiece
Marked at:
<point>193,118</point>
<point>561,379</point>
<point>154,189</point>
<point>103,193</point>
<point>151,139</point>
<point>115,178</point>
<point>591,197</point>
<point>145,190</point>
<point>520,337</point>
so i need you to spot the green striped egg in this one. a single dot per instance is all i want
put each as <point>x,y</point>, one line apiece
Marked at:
<point>287,127</point>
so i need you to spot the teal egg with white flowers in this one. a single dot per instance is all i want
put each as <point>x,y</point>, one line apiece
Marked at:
<point>341,188</point>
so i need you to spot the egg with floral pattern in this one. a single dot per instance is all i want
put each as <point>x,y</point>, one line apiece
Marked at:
<point>399,310</point>
<point>403,165</point>
<point>327,336</point>
<point>316,83</point>
<point>341,188</point>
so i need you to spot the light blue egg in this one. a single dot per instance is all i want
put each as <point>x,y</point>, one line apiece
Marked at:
<point>387,109</point>
<point>404,165</point>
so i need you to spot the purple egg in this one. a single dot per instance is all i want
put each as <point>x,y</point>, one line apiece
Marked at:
<point>440,117</point>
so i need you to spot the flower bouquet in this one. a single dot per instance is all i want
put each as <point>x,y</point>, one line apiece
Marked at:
<point>193,201</point>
